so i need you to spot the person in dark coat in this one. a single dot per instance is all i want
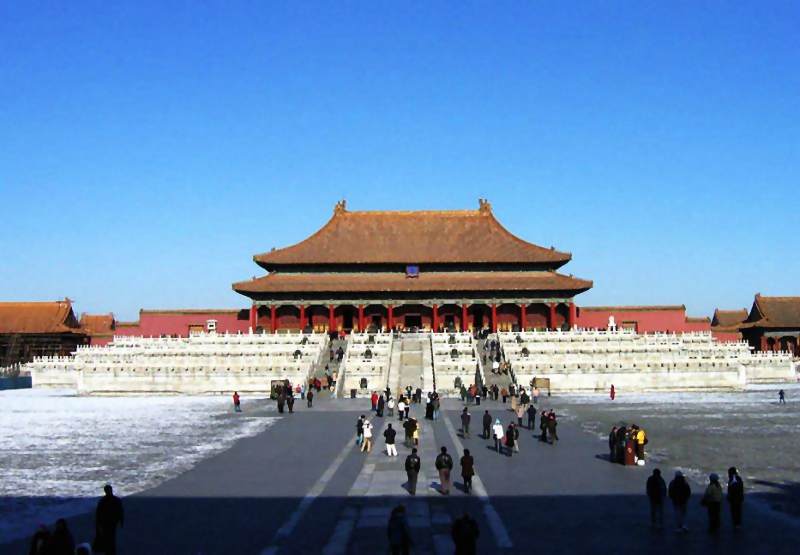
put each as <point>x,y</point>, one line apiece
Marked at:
<point>467,470</point>
<point>487,424</point>
<point>656,492</point>
<point>40,542</point>
<point>290,402</point>
<point>531,416</point>
<point>444,465</point>
<point>612,444</point>
<point>465,535</point>
<point>412,465</point>
<point>61,542</point>
<point>281,401</point>
<point>735,496</point>
<point>466,417</point>
<point>381,406</point>
<point>510,439</point>
<point>108,516</point>
<point>679,493</point>
<point>398,532</point>
<point>712,501</point>
<point>551,427</point>
<point>310,398</point>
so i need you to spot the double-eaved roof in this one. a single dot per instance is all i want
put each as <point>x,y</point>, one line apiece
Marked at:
<point>412,237</point>
<point>455,251</point>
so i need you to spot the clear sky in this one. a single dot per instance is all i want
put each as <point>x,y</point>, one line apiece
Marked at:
<point>148,150</point>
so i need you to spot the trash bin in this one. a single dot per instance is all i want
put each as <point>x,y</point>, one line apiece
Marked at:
<point>353,396</point>
<point>630,452</point>
<point>477,399</point>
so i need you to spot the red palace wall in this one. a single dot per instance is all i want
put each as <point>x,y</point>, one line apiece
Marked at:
<point>646,319</point>
<point>177,322</point>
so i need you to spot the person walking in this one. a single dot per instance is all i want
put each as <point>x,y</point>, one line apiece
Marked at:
<point>735,496</point>
<point>401,408</point>
<point>398,532</point>
<point>656,492</point>
<point>237,402</point>
<point>613,392</point>
<point>290,402</point>
<point>381,406</point>
<point>465,419</point>
<point>520,414</point>
<point>366,447</point>
<point>444,464</point>
<point>781,397</point>
<point>531,416</point>
<point>108,515</point>
<point>516,437</point>
<point>310,398</point>
<point>497,430</point>
<point>552,424</point>
<point>465,535</point>
<point>388,437</point>
<point>406,408</point>
<point>487,424</point>
<point>390,407</point>
<point>61,542</point>
<point>374,400</point>
<point>510,440</point>
<point>641,440</point>
<point>360,430</point>
<point>712,501</point>
<point>467,470</point>
<point>679,493</point>
<point>281,400</point>
<point>412,466</point>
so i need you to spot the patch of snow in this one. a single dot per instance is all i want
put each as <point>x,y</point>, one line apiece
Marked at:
<point>59,449</point>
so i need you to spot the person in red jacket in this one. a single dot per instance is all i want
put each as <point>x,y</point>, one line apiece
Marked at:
<point>237,404</point>
<point>613,392</point>
<point>374,400</point>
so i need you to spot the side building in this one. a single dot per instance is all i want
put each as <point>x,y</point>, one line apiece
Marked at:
<point>436,270</point>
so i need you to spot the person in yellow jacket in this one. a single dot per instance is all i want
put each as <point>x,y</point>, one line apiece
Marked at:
<point>641,439</point>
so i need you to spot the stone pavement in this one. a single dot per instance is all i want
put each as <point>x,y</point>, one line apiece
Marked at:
<point>303,487</point>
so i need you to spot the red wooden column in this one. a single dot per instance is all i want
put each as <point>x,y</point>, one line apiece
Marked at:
<point>253,317</point>
<point>551,323</point>
<point>494,318</point>
<point>361,317</point>
<point>273,317</point>
<point>302,317</point>
<point>331,318</point>
<point>463,317</point>
<point>389,317</point>
<point>573,315</point>
<point>523,317</point>
<point>435,325</point>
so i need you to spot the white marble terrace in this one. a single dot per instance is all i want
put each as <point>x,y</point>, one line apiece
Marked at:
<point>366,363</point>
<point>198,364</point>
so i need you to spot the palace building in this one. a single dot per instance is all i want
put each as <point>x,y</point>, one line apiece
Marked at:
<point>436,270</point>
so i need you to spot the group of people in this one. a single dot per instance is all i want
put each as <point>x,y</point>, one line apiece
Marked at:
<point>623,437</point>
<point>464,532</point>
<point>109,516</point>
<point>679,492</point>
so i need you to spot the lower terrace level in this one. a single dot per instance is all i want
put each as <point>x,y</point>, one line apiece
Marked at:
<point>439,316</point>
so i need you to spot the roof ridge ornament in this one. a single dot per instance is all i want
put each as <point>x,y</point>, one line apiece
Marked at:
<point>484,207</point>
<point>340,207</point>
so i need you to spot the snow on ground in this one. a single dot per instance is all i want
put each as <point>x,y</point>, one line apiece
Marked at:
<point>59,449</point>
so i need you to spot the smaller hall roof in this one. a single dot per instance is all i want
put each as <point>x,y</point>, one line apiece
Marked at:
<point>412,237</point>
<point>728,319</point>
<point>98,324</point>
<point>38,317</point>
<point>774,312</point>
<point>387,282</point>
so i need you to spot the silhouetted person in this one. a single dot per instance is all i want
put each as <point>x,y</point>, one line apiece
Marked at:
<point>281,401</point>
<point>735,496</point>
<point>467,470</point>
<point>781,397</point>
<point>412,470</point>
<point>107,517</point>
<point>381,406</point>
<point>40,542</point>
<point>712,501</point>
<point>444,465</point>
<point>237,402</point>
<point>290,402</point>
<point>656,492</point>
<point>61,542</point>
<point>487,424</point>
<point>531,416</point>
<point>465,535</point>
<point>679,492</point>
<point>466,417</point>
<point>310,398</point>
<point>510,439</point>
<point>398,531</point>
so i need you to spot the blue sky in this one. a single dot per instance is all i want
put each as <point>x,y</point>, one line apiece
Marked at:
<point>149,149</point>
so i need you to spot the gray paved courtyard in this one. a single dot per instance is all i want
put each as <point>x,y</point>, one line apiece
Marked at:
<point>301,486</point>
